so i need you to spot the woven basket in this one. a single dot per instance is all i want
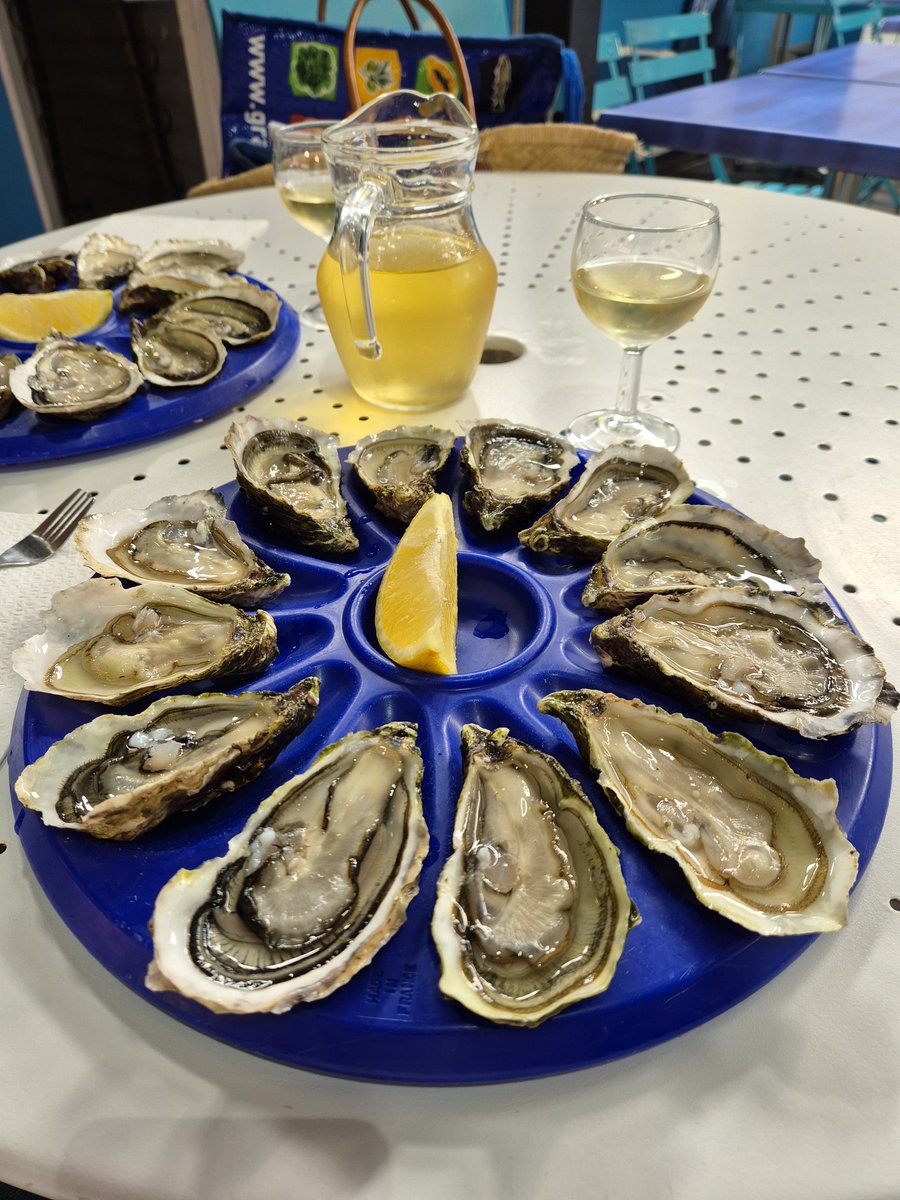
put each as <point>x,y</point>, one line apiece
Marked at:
<point>558,147</point>
<point>258,177</point>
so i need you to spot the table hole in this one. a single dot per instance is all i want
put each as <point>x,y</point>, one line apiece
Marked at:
<point>337,404</point>
<point>799,404</point>
<point>830,496</point>
<point>879,517</point>
<point>499,349</point>
<point>874,461</point>
<point>803,379</point>
<point>317,391</point>
<point>778,433</point>
<point>364,418</point>
<point>736,421</point>
<point>896,621</point>
<point>742,458</point>
<point>786,478</point>
<point>850,587</point>
<point>704,442</point>
<point>824,446</point>
<point>279,399</point>
<point>680,367</point>
<point>183,462</point>
<point>812,329</point>
<point>891,421</point>
<point>894,902</point>
<point>138,478</point>
<point>843,413</point>
<point>42,512</point>
<point>695,408</point>
<point>762,375</point>
<point>714,390</point>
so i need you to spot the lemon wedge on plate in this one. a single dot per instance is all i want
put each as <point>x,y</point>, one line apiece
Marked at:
<point>70,313</point>
<point>416,607</point>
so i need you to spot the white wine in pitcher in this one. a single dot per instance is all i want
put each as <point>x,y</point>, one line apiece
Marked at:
<point>433,294</point>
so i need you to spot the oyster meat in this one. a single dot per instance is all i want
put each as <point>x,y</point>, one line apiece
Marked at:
<point>185,540</point>
<point>105,259</point>
<point>188,253</point>
<point>291,473</point>
<point>306,894</point>
<point>176,353</point>
<point>758,843</point>
<point>240,313</point>
<point>67,378</point>
<point>399,467</point>
<point>152,292</point>
<point>699,545</point>
<point>770,656</point>
<point>513,470</point>
<point>7,399</point>
<point>531,911</point>
<point>110,644</point>
<point>619,486</point>
<point>118,776</point>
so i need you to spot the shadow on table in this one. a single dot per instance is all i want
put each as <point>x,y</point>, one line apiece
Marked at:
<point>8,1192</point>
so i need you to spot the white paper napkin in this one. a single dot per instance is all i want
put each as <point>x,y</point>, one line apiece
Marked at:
<point>144,230</point>
<point>25,592</point>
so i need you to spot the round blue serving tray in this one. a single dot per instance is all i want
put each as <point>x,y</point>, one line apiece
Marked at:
<point>522,633</point>
<point>153,411</point>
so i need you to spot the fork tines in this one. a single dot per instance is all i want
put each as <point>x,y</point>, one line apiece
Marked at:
<point>59,524</point>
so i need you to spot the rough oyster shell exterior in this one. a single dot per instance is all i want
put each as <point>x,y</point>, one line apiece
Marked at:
<point>105,259</point>
<point>68,378</point>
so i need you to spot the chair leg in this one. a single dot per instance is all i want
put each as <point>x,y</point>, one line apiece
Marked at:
<point>719,170</point>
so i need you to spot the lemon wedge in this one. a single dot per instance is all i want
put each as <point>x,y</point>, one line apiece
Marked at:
<point>416,607</point>
<point>30,318</point>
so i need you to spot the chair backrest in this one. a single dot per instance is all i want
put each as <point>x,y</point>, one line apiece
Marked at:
<point>667,61</point>
<point>611,87</point>
<point>854,20</point>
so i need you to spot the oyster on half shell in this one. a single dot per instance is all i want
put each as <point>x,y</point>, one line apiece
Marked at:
<point>185,540</point>
<point>67,378</point>
<point>770,656</point>
<point>118,776</point>
<point>308,891</point>
<point>699,545</point>
<point>758,843</point>
<point>105,259</point>
<point>183,353</point>
<point>240,313</point>
<point>531,911</point>
<point>399,466</point>
<point>619,486</point>
<point>291,473</point>
<point>112,645</point>
<point>513,470</point>
<point>155,291</point>
<point>7,399</point>
<point>188,253</point>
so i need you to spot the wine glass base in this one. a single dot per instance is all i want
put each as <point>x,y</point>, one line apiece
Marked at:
<point>313,317</point>
<point>606,427</point>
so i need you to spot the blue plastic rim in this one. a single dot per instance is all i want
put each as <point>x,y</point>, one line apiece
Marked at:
<point>153,411</point>
<point>523,622</point>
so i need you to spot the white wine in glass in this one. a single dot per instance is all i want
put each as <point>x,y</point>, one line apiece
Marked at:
<point>304,184</point>
<point>642,266</point>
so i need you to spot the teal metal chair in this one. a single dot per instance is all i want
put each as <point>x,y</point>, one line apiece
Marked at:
<point>847,20</point>
<point>611,87</point>
<point>658,57</point>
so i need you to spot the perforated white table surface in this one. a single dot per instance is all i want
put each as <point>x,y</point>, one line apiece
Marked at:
<point>785,389</point>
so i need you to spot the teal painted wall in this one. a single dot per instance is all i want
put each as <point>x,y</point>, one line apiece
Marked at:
<point>19,215</point>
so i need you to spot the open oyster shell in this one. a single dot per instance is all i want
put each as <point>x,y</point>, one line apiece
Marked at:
<point>619,486</point>
<point>67,378</point>
<point>105,259</point>
<point>185,540</point>
<point>766,655</point>
<point>531,911</point>
<point>699,545</point>
<point>291,473</point>
<point>111,644</point>
<point>306,894</point>
<point>32,276</point>
<point>758,843</point>
<point>117,776</point>
<point>188,253</point>
<point>514,471</point>
<point>179,353</point>
<point>399,467</point>
<point>7,399</point>
<point>240,313</point>
<point>155,291</point>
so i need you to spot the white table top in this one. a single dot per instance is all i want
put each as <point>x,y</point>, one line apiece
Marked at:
<point>785,388</point>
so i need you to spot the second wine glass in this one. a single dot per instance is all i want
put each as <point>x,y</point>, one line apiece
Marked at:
<point>642,265</point>
<point>303,182</point>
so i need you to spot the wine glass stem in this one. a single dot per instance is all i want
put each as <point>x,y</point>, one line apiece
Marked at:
<point>629,383</point>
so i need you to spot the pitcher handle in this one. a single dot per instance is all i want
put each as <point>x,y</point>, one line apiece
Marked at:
<point>352,234</point>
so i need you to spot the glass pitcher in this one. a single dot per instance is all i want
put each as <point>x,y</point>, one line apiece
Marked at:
<point>406,283</point>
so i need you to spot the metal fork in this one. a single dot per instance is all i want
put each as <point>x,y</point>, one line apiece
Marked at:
<point>50,534</point>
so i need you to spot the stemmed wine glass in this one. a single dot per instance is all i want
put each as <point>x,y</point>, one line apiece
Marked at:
<point>303,182</point>
<point>642,266</point>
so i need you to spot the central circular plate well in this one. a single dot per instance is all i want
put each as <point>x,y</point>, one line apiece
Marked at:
<point>524,634</point>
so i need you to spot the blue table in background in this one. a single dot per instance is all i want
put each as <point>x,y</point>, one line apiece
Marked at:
<point>860,62</point>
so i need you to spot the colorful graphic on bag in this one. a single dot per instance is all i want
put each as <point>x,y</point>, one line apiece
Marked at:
<point>435,74</point>
<point>313,70</point>
<point>377,71</point>
<point>507,79</point>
